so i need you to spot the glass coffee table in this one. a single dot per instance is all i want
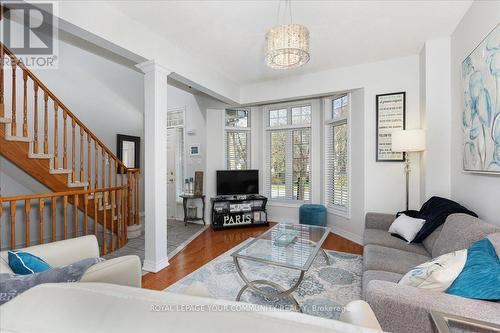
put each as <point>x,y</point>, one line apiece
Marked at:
<point>293,246</point>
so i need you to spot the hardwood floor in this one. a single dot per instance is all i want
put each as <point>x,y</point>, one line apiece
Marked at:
<point>210,244</point>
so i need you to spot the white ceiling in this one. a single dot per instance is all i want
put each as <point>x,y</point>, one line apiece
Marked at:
<point>229,35</point>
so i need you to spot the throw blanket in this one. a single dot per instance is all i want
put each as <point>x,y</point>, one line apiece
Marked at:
<point>435,212</point>
<point>12,285</point>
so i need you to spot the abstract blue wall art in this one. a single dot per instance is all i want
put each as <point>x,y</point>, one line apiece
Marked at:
<point>481,106</point>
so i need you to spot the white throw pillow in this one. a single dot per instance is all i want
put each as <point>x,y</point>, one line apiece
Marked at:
<point>437,274</point>
<point>406,227</point>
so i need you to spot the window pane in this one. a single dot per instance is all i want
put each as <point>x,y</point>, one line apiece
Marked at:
<point>278,162</point>
<point>278,117</point>
<point>237,150</point>
<point>301,115</point>
<point>340,159</point>
<point>301,179</point>
<point>340,109</point>
<point>175,118</point>
<point>237,118</point>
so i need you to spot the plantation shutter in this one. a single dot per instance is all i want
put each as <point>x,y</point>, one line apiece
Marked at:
<point>288,164</point>
<point>237,139</point>
<point>337,185</point>
<point>236,149</point>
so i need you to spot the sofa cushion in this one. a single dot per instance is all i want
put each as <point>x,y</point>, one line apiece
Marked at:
<point>4,266</point>
<point>378,275</point>
<point>495,241</point>
<point>64,252</point>
<point>435,212</point>
<point>459,232</point>
<point>380,258</point>
<point>429,242</point>
<point>384,238</point>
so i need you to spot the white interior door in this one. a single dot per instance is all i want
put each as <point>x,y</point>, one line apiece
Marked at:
<point>171,173</point>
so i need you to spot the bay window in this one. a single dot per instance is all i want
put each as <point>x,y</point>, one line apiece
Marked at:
<point>288,135</point>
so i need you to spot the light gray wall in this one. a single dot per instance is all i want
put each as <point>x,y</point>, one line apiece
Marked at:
<point>481,193</point>
<point>195,121</point>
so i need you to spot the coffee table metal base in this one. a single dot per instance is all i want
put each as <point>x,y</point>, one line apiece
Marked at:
<point>280,292</point>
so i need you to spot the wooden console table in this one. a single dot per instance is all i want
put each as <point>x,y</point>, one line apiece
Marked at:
<point>185,199</point>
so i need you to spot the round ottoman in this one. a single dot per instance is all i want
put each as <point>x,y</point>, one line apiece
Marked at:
<point>312,214</point>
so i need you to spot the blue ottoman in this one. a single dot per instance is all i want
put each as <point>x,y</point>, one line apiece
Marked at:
<point>312,214</point>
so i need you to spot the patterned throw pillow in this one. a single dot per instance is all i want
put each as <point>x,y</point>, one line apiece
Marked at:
<point>12,285</point>
<point>437,274</point>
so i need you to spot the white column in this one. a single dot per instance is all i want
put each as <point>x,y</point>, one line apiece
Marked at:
<point>155,166</point>
<point>435,99</point>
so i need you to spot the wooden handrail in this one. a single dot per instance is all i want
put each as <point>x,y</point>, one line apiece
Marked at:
<point>56,100</point>
<point>58,194</point>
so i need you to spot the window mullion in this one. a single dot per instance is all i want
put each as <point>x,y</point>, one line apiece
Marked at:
<point>289,165</point>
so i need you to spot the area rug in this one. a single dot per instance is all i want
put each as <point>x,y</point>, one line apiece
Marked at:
<point>323,292</point>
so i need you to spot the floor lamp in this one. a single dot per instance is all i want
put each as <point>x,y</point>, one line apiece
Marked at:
<point>406,141</point>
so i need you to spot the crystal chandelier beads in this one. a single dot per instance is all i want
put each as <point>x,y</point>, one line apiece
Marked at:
<point>287,46</point>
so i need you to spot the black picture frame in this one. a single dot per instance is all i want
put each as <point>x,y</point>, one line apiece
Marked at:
<point>377,158</point>
<point>120,138</point>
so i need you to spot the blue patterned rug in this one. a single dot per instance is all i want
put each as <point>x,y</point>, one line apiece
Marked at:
<point>323,292</point>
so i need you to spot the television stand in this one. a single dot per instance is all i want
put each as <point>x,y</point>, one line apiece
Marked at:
<point>229,211</point>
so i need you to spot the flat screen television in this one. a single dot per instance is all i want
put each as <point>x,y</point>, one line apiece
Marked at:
<point>233,182</point>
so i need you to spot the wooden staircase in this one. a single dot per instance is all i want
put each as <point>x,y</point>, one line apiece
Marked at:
<point>40,135</point>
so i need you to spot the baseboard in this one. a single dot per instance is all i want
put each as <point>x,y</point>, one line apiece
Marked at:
<point>348,235</point>
<point>155,267</point>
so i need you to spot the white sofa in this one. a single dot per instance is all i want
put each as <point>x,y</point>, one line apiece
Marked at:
<point>109,299</point>
<point>99,307</point>
<point>125,271</point>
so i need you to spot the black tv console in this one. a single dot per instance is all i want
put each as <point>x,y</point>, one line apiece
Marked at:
<point>229,211</point>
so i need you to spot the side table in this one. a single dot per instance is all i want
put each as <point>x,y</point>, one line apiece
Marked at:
<point>185,199</point>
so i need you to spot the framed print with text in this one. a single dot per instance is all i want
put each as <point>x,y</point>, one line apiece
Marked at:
<point>391,116</point>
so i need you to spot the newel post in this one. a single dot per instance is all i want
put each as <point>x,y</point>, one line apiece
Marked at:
<point>155,165</point>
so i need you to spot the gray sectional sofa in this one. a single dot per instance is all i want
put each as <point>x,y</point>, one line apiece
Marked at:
<point>386,259</point>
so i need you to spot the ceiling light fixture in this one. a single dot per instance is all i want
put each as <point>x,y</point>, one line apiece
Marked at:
<point>287,45</point>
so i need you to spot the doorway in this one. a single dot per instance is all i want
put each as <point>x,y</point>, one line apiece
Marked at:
<point>175,161</point>
<point>178,234</point>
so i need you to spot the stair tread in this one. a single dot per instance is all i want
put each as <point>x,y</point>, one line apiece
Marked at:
<point>78,184</point>
<point>18,138</point>
<point>40,155</point>
<point>59,171</point>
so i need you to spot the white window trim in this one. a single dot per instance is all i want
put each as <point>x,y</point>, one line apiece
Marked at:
<point>267,144</point>
<point>183,166</point>
<point>238,129</point>
<point>328,114</point>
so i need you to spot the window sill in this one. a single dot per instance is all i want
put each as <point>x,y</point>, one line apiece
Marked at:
<point>285,204</point>
<point>339,212</point>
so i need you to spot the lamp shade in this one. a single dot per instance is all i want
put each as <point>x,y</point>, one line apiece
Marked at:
<point>408,140</point>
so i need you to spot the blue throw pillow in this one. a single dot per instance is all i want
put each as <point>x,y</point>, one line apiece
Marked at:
<point>480,278</point>
<point>25,263</point>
